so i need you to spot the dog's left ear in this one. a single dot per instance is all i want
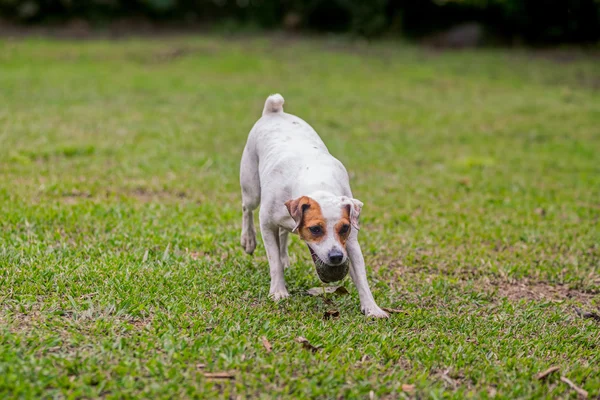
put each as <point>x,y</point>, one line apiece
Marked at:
<point>296,209</point>
<point>353,206</point>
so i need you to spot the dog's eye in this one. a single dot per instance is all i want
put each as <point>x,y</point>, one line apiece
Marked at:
<point>315,230</point>
<point>344,229</point>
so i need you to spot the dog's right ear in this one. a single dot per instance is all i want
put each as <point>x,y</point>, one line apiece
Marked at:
<point>354,206</point>
<point>296,209</point>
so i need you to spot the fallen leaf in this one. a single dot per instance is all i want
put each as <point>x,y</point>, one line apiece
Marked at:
<point>165,256</point>
<point>408,388</point>
<point>194,255</point>
<point>306,344</point>
<point>449,380</point>
<point>328,301</point>
<point>341,291</point>
<point>267,344</point>
<point>544,374</point>
<point>318,291</point>
<point>580,391</point>
<point>218,375</point>
<point>393,310</point>
<point>331,314</point>
<point>464,181</point>
<point>200,366</point>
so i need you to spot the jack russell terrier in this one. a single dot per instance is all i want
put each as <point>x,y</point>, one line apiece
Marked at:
<point>287,169</point>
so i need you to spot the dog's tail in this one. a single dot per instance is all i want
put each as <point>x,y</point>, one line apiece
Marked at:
<point>274,104</point>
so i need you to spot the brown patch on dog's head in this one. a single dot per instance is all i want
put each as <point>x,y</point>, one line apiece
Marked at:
<point>310,223</point>
<point>296,208</point>
<point>353,208</point>
<point>342,228</point>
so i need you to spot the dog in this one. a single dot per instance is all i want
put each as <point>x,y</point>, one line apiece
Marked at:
<point>301,188</point>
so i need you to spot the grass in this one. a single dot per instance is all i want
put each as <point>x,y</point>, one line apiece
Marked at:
<point>121,274</point>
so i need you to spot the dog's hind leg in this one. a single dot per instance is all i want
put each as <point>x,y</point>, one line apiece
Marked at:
<point>250,182</point>
<point>283,248</point>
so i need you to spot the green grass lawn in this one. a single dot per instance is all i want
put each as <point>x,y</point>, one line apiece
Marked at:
<point>121,273</point>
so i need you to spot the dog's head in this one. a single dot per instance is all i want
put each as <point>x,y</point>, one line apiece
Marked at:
<point>325,222</point>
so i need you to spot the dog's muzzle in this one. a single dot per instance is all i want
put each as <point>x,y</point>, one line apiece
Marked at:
<point>329,273</point>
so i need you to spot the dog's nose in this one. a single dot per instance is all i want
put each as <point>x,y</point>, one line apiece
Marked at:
<point>336,256</point>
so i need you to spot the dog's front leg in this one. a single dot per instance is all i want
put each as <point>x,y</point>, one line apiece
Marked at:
<point>358,274</point>
<point>270,236</point>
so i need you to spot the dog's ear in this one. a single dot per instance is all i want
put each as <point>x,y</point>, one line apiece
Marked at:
<point>353,206</point>
<point>296,209</point>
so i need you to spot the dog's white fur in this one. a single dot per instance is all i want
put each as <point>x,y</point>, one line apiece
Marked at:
<point>285,159</point>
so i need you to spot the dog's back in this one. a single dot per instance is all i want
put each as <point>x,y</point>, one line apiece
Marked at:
<point>284,144</point>
<point>280,135</point>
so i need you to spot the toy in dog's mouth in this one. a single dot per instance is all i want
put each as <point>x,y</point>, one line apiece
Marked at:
<point>329,273</point>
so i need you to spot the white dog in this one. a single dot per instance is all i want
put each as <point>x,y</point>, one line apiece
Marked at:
<point>287,169</point>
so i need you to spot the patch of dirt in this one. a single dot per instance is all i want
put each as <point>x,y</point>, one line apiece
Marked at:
<point>142,194</point>
<point>198,255</point>
<point>149,195</point>
<point>540,291</point>
<point>451,379</point>
<point>21,322</point>
<point>394,270</point>
<point>170,55</point>
<point>394,266</point>
<point>37,317</point>
<point>73,196</point>
<point>139,323</point>
<point>566,55</point>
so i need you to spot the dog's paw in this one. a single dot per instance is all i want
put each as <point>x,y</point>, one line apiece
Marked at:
<point>279,294</point>
<point>248,242</point>
<point>374,311</point>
